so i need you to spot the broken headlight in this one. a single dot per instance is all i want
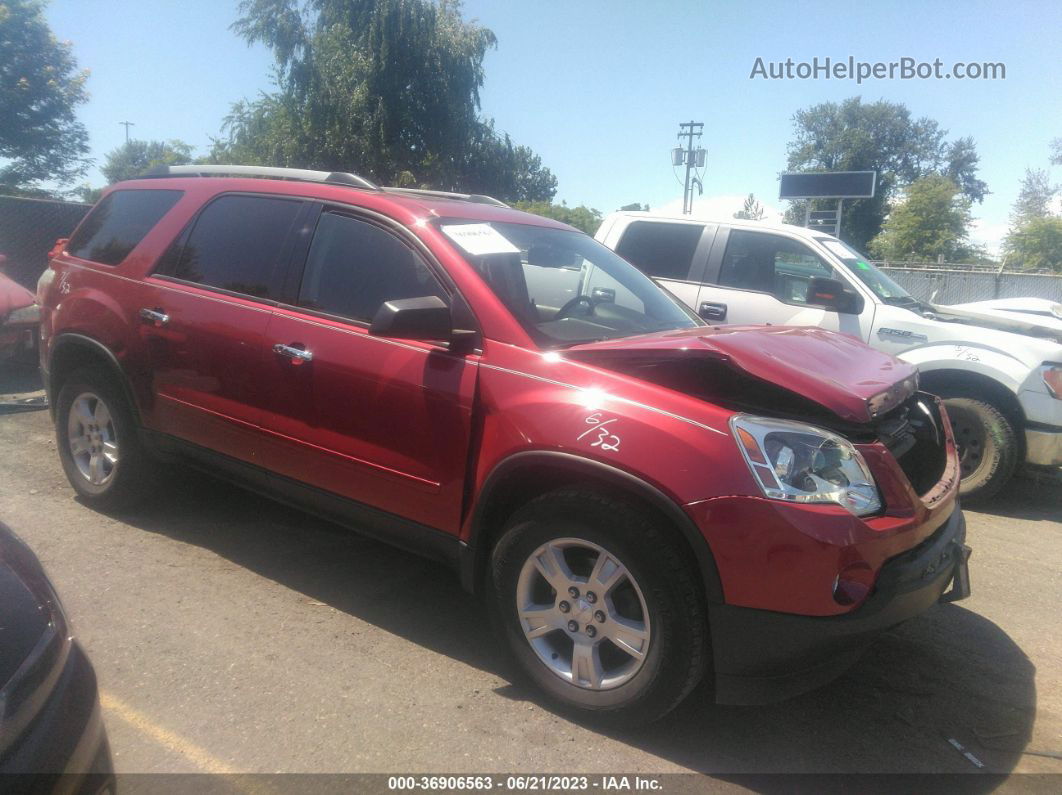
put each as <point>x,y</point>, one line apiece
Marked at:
<point>795,462</point>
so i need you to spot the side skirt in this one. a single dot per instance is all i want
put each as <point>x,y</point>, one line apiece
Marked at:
<point>411,536</point>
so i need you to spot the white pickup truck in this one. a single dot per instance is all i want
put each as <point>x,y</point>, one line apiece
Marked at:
<point>999,371</point>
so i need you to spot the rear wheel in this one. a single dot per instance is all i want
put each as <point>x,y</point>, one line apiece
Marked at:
<point>97,441</point>
<point>598,607</point>
<point>987,445</point>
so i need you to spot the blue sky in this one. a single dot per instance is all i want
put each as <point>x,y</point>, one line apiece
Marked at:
<point>598,88</point>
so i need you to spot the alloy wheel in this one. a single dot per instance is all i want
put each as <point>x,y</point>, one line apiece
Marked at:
<point>583,613</point>
<point>92,438</point>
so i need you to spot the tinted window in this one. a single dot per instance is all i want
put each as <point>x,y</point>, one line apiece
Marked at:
<point>771,264</point>
<point>236,245</point>
<point>119,222</point>
<point>661,250</point>
<point>354,267</point>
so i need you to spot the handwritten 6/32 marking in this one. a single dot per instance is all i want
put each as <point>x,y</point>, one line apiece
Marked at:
<point>605,438</point>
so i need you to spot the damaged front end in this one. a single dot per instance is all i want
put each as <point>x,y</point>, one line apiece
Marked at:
<point>807,405</point>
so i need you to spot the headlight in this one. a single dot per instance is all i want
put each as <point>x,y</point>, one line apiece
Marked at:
<point>24,316</point>
<point>795,462</point>
<point>1052,375</point>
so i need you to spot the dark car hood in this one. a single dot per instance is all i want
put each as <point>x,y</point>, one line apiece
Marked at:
<point>831,369</point>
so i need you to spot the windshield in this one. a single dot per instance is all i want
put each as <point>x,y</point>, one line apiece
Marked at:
<point>566,288</point>
<point>884,287</point>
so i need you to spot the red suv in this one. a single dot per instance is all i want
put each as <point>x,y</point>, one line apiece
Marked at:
<point>641,498</point>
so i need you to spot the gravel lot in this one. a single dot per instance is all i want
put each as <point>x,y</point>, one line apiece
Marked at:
<point>232,634</point>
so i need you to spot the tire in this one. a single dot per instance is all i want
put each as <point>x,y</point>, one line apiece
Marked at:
<point>988,446</point>
<point>648,626</point>
<point>98,443</point>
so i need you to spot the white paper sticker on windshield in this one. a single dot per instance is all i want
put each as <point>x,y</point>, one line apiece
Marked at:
<point>479,239</point>
<point>837,249</point>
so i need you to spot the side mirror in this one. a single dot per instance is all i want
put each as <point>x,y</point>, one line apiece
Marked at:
<point>831,294</point>
<point>426,318</point>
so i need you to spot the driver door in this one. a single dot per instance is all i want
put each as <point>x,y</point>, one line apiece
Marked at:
<point>383,422</point>
<point>763,277</point>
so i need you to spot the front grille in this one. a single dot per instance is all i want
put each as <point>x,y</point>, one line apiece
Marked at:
<point>914,434</point>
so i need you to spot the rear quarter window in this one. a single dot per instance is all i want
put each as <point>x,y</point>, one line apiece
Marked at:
<point>664,251</point>
<point>116,225</point>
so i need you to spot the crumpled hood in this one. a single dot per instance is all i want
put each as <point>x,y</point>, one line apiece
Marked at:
<point>1035,317</point>
<point>834,370</point>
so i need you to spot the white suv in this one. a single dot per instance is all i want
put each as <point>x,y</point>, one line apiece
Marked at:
<point>1002,380</point>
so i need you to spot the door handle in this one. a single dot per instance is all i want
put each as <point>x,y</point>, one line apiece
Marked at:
<point>712,311</point>
<point>154,316</point>
<point>296,354</point>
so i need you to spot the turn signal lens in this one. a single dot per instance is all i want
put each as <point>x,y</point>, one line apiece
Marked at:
<point>1053,380</point>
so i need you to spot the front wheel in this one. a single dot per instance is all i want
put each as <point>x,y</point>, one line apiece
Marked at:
<point>598,606</point>
<point>987,444</point>
<point>97,441</point>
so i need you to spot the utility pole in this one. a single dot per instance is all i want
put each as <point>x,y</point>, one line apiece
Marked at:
<point>693,158</point>
<point>127,125</point>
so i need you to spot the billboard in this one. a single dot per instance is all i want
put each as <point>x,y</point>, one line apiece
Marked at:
<point>828,185</point>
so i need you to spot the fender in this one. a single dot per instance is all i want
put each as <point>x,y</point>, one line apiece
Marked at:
<point>67,339</point>
<point>473,558</point>
<point>997,365</point>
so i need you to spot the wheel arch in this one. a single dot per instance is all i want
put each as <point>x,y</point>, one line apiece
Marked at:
<point>523,476</point>
<point>71,352</point>
<point>948,381</point>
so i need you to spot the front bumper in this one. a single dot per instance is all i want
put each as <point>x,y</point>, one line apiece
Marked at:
<point>1043,446</point>
<point>65,748</point>
<point>762,656</point>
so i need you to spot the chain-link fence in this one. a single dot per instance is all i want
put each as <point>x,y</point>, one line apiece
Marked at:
<point>959,284</point>
<point>29,229</point>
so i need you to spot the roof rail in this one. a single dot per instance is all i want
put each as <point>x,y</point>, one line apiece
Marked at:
<point>298,174</point>
<point>477,198</point>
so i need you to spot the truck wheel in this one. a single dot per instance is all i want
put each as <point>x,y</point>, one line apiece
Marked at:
<point>987,443</point>
<point>598,607</point>
<point>97,441</point>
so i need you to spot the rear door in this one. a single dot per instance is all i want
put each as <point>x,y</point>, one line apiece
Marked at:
<point>203,317</point>
<point>383,422</point>
<point>673,253</point>
<point>757,277</point>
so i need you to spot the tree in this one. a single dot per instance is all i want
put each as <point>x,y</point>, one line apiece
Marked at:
<point>582,217</point>
<point>1034,197</point>
<point>1056,152</point>
<point>751,211</point>
<point>40,89</point>
<point>931,221</point>
<point>387,88</point>
<point>1036,244</point>
<point>882,137</point>
<point>133,158</point>
<point>635,207</point>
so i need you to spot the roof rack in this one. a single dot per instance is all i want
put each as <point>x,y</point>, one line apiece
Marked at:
<point>477,198</point>
<point>298,174</point>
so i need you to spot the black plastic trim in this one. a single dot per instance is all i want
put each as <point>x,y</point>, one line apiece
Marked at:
<point>475,551</point>
<point>68,338</point>
<point>411,536</point>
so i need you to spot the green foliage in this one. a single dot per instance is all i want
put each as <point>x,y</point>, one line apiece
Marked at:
<point>133,158</point>
<point>752,210</point>
<point>582,217</point>
<point>1034,197</point>
<point>386,88</point>
<point>932,221</point>
<point>40,89</point>
<point>1037,243</point>
<point>635,207</point>
<point>882,137</point>
<point>1056,152</point>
